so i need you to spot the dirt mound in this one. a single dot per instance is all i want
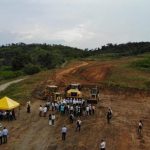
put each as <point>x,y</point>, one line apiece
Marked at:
<point>95,73</point>
<point>82,72</point>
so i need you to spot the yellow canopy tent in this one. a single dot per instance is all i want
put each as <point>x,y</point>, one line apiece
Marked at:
<point>8,104</point>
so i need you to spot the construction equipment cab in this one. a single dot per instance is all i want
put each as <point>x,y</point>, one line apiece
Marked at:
<point>74,91</point>
<point>94,98</point>
<point>51,93</point>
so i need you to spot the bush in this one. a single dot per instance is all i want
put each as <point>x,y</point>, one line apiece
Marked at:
<point>142,64</point>
<point>31,69</point>
<point>9,74</point>
<point>5,68</point>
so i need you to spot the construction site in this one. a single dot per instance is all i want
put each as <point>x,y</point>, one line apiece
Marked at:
<point>81,80</point>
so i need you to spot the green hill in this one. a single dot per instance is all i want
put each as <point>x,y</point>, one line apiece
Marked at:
<point>25,59</point>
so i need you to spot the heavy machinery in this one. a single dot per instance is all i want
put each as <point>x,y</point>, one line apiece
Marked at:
<point>73,91</point>
<point>94,96</point>
<point>51,93</point>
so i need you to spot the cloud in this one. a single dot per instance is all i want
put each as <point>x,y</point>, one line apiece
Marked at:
<point>79,23</point>
<point>77,33</point>
<point>41,33</point>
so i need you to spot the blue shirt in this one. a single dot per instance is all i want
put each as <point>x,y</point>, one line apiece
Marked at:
<point>5,132</point>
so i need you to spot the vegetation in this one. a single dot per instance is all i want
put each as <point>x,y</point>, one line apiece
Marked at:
<point>143,64</point>
<point>128,49</point>
<point>22,91</point>
<point>21,59</point>
<point>26,59</point>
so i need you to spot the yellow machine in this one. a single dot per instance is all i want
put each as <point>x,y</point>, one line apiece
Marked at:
<point>51,93</point>
<point>74,91</point>
<point>94,98</point>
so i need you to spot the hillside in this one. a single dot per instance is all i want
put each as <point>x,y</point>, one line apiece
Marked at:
<point>22,59</point>
<point>25,59</point>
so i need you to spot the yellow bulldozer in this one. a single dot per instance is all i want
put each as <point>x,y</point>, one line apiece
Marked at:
<point>74,91</point>
<point>51,93</point>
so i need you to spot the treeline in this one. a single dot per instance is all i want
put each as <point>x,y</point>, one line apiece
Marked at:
<point>127,49</point>
<point>21,59</point>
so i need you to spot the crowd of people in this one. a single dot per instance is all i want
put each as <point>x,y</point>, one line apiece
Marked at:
<point>7,115</point>
<point>72,108</point>
<point>75,107</point>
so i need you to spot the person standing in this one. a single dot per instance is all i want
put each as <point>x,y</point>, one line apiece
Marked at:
<point>71,118</point>
<point>50,119</point>
<point>93,109</point>
<point>53,119</point>
<point>1,137</point>
<point>87,110</point>
<point>103,145</point>
<point>40,110</point>
<point>5,134</point>
<point>64,132</point>
<point>90,109</point>
<point>78,125</point>
<point>140,127</point>
<point>45,111</point>
<point>14,114</point>
<point>28,107</point>
<point>109,115</point>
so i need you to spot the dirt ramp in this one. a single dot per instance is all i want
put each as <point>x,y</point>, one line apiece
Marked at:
<point>95,73</point>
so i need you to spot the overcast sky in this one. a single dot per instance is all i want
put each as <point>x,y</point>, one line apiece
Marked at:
<point>77,23</point>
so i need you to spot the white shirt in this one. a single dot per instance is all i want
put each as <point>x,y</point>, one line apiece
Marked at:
<point>74,102</point>
<point>4,113</point>
<point>79,121</point>
<point>64,130</point>
<point>87,108</point>
<point>45,109</point>
<point>71,108</point>
<point>103,144</point>
<point>53,117</point>
<point>40,109</point>
<point>5,132</point>
<point>140,124</point>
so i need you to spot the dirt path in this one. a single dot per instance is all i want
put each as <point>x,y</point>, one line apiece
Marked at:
<point>70,70</point>
<point>5,85</point>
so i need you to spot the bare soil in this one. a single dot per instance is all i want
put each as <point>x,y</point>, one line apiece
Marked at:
<point>31,132</point>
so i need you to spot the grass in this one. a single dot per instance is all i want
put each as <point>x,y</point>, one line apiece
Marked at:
<point>128,78</point>
<point>124,74</point>
<point>22,91</point>
<point>104,57</point>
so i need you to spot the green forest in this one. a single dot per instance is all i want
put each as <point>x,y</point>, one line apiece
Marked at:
<point>26,59</point>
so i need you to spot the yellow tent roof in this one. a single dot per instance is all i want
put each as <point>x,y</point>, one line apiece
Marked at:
<point>7,103</point>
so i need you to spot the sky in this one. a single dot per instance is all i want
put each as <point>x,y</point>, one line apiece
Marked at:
<point>76,23</point>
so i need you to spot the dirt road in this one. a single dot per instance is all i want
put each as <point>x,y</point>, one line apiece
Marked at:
<point>5,85</point>
<point>31,132</point>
